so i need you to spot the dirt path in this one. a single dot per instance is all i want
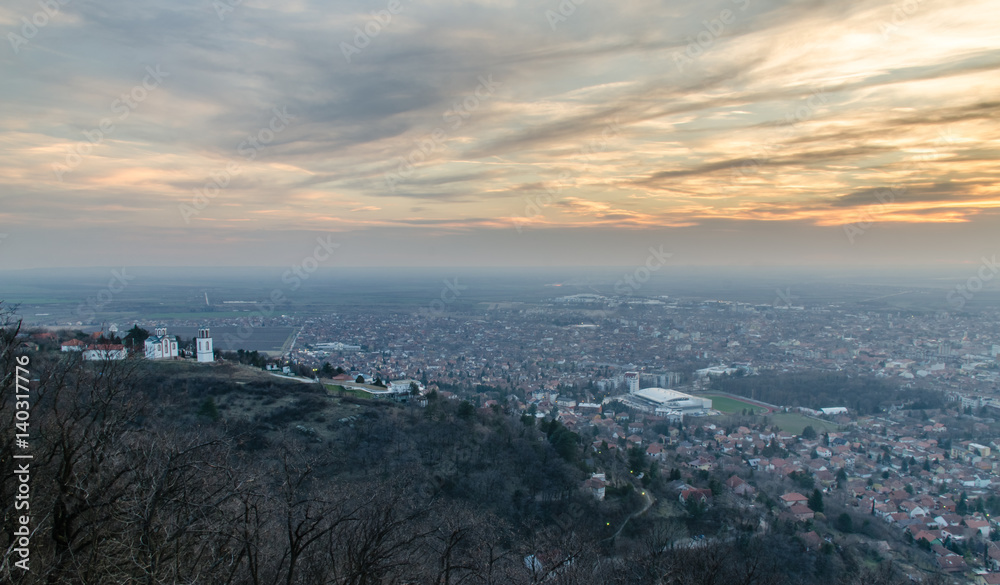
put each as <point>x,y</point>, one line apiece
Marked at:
<point>649,503</point>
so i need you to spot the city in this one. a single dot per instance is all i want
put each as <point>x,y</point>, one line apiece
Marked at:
<point>730,396</point>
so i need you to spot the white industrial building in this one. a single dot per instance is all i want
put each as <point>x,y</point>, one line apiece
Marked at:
<point>337,346</point>
<point>834,410</point>
<point>715,371</point>
<point>666,402</point>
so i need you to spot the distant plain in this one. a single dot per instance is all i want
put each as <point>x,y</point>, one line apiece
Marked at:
<point>83,296</point>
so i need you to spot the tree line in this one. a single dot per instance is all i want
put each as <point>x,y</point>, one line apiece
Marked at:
<point>861,394</point>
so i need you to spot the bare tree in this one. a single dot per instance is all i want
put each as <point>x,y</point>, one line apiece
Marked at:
<point>175,522</point>
<point>381,541</point>
<point>88,409</point>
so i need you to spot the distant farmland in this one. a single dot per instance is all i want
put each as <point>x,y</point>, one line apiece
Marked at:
<point>269,339</point>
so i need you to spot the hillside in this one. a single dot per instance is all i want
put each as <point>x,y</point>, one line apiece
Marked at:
<point>183,473</point>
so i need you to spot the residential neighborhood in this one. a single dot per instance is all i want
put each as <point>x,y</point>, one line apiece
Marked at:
<point>838,425</point>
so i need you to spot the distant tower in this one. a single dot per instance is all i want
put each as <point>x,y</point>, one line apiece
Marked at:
<point>632,379</point>
<point>205,352</point>
<point>161,331</point>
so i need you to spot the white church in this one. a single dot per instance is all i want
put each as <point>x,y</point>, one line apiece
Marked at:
<point>161,346</point>
<point>204,346</point>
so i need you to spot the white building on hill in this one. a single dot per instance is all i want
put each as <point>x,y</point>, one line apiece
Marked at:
<point>108,351</point>
<point>72,345</point>
<point>398,386</point>
<point>204,346</point>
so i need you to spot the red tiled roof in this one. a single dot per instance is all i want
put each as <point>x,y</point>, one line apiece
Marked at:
<point>794,497</point>
<point>952,563</point>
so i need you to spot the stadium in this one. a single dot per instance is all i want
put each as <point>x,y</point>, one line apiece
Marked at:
<point>665,401</point>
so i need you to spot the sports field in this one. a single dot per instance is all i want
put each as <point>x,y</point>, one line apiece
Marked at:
<point>793,422</point>
<point>731,405</point>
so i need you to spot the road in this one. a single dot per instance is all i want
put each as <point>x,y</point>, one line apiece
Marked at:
<point>294,379</point>
<point>649,503</point>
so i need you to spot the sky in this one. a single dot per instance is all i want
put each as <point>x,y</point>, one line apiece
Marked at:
<point>499,133</point>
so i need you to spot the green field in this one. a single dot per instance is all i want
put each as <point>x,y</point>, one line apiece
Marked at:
<point>198,315</point>
<point>794,423</point>
<point>731,405</point>
<point>338,389</point>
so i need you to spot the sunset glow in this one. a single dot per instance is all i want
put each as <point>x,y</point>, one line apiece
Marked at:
<point>475,122</point>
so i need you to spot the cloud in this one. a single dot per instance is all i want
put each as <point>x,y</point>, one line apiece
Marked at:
<point>935,193</point>
<point>794,111</point>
